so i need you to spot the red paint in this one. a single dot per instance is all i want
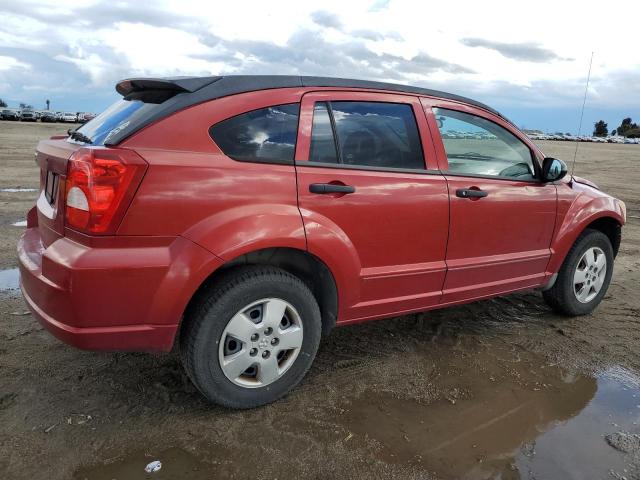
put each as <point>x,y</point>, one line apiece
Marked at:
<point>403,242</point>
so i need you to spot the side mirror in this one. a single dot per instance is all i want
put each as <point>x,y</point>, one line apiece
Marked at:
<point>553,169</point>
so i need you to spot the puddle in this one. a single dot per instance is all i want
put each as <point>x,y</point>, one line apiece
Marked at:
<point>176,464</point>
<point>578,448</point>
<point>499,413</point>
<point>20,223</point>
<point>9,280</point>
<point>17,190</point>
<point>523,421</point>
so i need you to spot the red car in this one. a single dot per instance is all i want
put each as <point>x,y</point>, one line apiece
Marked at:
<point>243,217</point>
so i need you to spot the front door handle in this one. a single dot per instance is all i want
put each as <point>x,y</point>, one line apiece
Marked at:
<point>330,188</point>
<point>470,193</point>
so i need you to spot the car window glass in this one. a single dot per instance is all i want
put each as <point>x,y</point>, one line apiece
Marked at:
<point>377,134</point>
<point>477,146</point>
<point>113,119</point>
<point>323,147</point>
<point>267,134</point>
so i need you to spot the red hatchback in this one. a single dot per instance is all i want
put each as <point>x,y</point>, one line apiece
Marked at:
<point>249,215</point>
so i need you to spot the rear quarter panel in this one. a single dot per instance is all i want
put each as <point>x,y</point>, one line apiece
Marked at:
<point>192,189</point>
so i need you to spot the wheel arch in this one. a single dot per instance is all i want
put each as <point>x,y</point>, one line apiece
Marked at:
<point>608,222</point>
<point>300,263</point>
<point>611,228</point>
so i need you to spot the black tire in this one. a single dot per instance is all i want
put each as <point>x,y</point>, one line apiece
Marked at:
<point>207,318</point>
<point>561,297</point>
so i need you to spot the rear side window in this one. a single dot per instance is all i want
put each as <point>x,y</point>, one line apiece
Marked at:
<point>264,135</point>
<point>372,134</point>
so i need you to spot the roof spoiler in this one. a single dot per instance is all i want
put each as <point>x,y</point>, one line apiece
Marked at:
<point>174,85</point>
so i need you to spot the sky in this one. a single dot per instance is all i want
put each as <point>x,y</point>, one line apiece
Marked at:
<point>528,60</point>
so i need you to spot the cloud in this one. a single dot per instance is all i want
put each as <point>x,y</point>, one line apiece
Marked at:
<point>528,52</point>
<point>309,53</point>
<point>368,35</point>
<point>326,19</point>
<point>8,63</point>
<point>98,15</point>
<point>379,5</point>
<point>74,52</point>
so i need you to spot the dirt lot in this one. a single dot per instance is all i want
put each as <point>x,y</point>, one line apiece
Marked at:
<point>496,389</point>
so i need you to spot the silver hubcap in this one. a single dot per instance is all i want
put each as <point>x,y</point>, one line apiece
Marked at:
<point>589,276</point>
<point>260,343</point>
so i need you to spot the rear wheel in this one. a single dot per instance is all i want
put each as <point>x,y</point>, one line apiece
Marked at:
<point>251,338</point>
<point>584,276</point>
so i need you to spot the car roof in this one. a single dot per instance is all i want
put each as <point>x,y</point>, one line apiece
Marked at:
<point>183,92</point>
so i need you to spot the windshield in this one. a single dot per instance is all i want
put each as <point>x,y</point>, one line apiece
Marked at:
<point>114,119</point>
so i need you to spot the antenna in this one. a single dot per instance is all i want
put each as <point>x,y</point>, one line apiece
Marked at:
<point>584,102</point>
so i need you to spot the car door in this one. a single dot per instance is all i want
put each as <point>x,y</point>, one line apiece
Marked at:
<point>373,204</point>
<point>502,215</point>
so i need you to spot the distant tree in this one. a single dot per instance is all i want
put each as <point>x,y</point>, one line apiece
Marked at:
<point>600,129</point>
<point>48,104</point>
<point>613,132</point>
<point>633,133</point>
<point>626,125</point>
<point>3,103</point>
<point>567,134</point>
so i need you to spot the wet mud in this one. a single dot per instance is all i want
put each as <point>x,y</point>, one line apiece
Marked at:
<point>502,388</point>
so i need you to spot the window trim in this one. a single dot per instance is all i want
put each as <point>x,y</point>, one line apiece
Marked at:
<point>336,140</point>
<point>449,173</point>
<point>334,131</point>
<point>368,168</point>
<point>327,106</point>
<point>310,98</point>
<point>261,160</point>
<point>473,112</point>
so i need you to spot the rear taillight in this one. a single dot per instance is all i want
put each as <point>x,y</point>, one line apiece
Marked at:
<point>100,185</point>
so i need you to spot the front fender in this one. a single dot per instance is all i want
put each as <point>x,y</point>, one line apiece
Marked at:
<point>236,231</point>
<point>575,213</point>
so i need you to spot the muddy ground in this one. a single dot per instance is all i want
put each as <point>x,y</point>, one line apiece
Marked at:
<point>502,388</point>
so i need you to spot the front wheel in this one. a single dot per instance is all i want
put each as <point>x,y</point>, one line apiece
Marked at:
<point>251,338</point>
<point>584,276</point>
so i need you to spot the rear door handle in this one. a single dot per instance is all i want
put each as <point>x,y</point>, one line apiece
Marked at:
<point>330,188</point>
<point>470,193</point>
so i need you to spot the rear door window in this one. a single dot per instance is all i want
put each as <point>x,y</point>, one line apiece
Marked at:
<point>371,134</point>
<point>323,145</point>
<point>264,135</point>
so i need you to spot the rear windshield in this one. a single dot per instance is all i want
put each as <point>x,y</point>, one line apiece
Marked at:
<point>114,119</point>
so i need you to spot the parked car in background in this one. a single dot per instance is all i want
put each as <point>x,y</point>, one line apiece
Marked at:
<point>49,117</point>
<point>69,117</point>
<point>249,215</point>
<point>85,117</point>
<point>9,114</point>
<point>28,115</point>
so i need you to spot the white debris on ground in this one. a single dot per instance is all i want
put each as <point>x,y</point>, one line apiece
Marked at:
<point>153,466</point>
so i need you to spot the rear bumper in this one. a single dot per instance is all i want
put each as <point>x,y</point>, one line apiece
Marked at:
<point>126,299</point>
